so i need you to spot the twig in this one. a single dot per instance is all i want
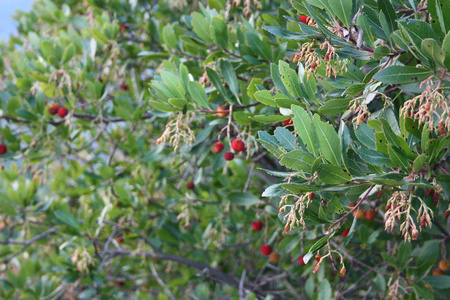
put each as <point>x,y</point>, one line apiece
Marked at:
<point>31,241</point>
<point>229,110</point>
<point>161,283</point>
<point>353,209</point>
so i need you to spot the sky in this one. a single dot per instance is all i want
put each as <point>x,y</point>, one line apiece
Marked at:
<point>8,8</point>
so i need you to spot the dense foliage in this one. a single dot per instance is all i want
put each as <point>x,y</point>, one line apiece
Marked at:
<point>214,149</point>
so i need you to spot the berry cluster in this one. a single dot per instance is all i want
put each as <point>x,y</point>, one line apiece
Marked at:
<point>237,145</point>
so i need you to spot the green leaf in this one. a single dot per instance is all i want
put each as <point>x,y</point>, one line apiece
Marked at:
<point>319,244</point>
<point>46,49</point>
<point>417,31</point>
<point>305,129</point>
<point>333,175</point>
<point>374,157</point>
<point>169,37</point>
<point>201,27</point>
<point>366,135</point>
<point>342,9</point>
<point>398,158</point>
<point>275,74</point>
<point>334,106</point>
<point>257,46</point>
<point>219,31</point>
<point>67,218</point>
<point>381,51</point>
<point>230,77</point>
<point>432,50</point>
<point>328,140</point>
<point>297,160</point>
<point>289,35</point>
<point>268,119</point>
<point>290,80</point>
<point>324,286</point>
<point>173,84</point>
<point>286,139</point>
<point>198,94</point>
<point>215,79</point>
<point>69,52</point>
<point>266,98</point>
<point>350,233</point>
<point>419,162</point>
<point>438,281</point>
<point>243,198</point>
<point>446,48</point>
<point>389,12</point>
<point>404,254</point>
<point>402,74</point>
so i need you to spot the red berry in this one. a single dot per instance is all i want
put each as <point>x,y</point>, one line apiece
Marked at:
<point>62,112</point>
<point>53,110</point>
<point>257,225</point>
<point>303,19</point>
<point>345,232</point>
<point>317,257</point>
<point>228,155</point>
<point>124,87</point>
<point>218,147</point>
<point>3,149</point>
<point>428,192</point>
<point>379,193</point>
<point>119,239</point>
<point>190,185</point>
<point>265,249</point>
<point>300,260</point>
<point>237,145</point>
<point>287,122</point>
<point>312,196</point>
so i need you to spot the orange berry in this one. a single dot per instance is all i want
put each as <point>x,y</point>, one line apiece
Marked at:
<point>358,214</point>
<point>312,196</point>
<point>444,264</point>
<point>317,257</point>
<point>222,114</point>
<point>437,272</point>
<point>369,214</point>
<point>274,257</point>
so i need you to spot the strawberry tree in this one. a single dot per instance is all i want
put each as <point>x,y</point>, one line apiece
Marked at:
<point>246,149</point>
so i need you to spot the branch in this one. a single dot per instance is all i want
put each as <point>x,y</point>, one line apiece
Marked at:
<point>207,271</point>
<point>31,241</point>
<point>227,110</point>
<point>85,117</point>
<point>354,208</point>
